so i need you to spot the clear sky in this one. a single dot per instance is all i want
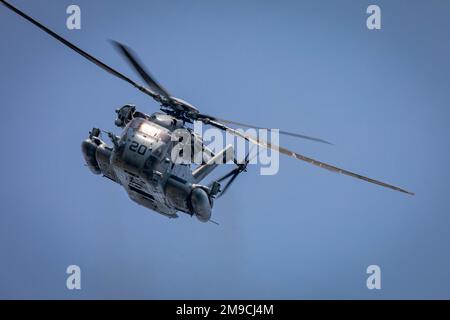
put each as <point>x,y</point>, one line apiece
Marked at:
<point>311,66</point>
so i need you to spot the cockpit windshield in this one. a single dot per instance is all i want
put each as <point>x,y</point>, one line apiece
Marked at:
<point>150,130</point>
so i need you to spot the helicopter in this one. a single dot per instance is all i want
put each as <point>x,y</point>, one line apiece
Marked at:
<point>141,161</point>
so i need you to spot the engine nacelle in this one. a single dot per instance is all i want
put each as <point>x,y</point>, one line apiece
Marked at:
<point>189,198</point>
<point>201,204</point>
<point>89,148</point>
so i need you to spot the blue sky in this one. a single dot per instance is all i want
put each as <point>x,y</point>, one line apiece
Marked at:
<point>306,66</point>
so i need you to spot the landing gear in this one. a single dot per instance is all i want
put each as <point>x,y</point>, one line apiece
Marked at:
<point>232,175</point>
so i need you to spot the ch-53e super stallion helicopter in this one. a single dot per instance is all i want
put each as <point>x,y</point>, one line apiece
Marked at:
<point>140,159</point>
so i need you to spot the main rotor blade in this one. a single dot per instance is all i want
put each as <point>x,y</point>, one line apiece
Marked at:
<point>138,66</point>
<point>286,133</point>
<point>80,51</point>
<point>298,156</point>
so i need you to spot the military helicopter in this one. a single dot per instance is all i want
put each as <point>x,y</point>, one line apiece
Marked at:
<point>139,159</point>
